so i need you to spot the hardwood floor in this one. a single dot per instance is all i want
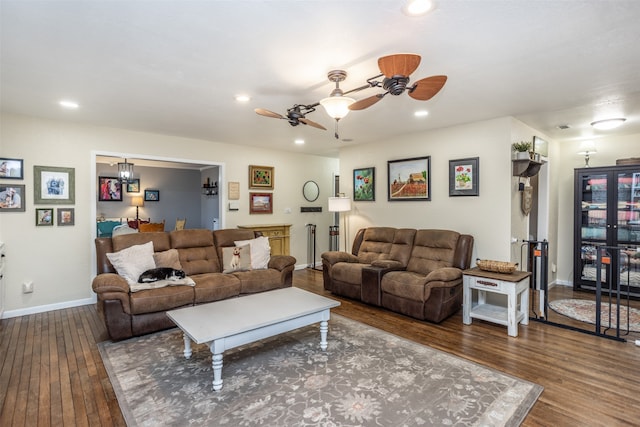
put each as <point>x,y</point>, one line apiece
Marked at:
<point>51,373</point>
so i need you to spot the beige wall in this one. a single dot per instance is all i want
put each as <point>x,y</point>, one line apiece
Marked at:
<point>60,260</point>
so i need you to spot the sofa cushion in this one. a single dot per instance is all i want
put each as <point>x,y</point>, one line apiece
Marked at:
<point>196,251</point>
<point>258,280</point>
<point>376,244</point>
<point>162,299</point>
<point>131,262</point>
<point>348,272</point>
<point>432,249</point>
<point>404,284</point>
<point>160,241</point>
<point>169,259</point>
<point>215,287</point>
<point>236,258</point>
<point>260,251</point>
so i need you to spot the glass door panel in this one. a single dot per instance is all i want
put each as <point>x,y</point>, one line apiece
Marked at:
<point>594,207</point>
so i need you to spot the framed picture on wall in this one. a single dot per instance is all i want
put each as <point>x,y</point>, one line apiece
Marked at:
<point>44,217</point>
<point>11,168</point>
<point>66,216</point>
<point>54,185</point>
<point>464,177</point>
<point>133,185</point>
<point>409,179</point>
<point>540,146</point>
<point>151,195</point>
<point>364,185</point>
<point>109,189</point>
<point>261,177</point>
<point>260,203</point>
<point>12,198</point>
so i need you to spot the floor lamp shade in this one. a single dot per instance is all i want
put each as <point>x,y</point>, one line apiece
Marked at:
<point>341,204</point>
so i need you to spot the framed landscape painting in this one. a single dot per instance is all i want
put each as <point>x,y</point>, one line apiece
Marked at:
<point>364,188</point>
<point>464,177</point>
<point>409,179</point>
<point>260,203</point>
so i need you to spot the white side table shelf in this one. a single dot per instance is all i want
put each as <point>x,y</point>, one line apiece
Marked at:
<point>515,286</point>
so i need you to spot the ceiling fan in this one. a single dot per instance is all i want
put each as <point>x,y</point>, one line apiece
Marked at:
<point>295,115</point>
<point>396,70</point>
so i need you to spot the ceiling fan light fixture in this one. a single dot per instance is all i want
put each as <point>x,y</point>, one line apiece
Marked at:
<point>337,107</point>
<point>608,123</point>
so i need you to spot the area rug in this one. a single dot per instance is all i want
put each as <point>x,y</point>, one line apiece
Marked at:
<point>367,377</point>
<point>585,311</point>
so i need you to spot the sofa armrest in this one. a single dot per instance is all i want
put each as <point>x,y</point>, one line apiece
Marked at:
<point>109,282</point>
<point>388,264</point>
<point>444,277</point>
<point>333,257</point>
<point>280,262</point>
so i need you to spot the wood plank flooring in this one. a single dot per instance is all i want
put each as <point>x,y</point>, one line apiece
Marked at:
<point>51,373</point>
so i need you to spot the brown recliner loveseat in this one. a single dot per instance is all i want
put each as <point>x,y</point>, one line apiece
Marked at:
<point>200,254</point>
<point>421,279</point>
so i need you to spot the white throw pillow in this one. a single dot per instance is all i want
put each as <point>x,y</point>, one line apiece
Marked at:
<point>131,262</point>
<point>260,251</point>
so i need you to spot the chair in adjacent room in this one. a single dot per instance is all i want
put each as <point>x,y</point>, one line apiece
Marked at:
<point>150,227</point>
<point>180,223</point>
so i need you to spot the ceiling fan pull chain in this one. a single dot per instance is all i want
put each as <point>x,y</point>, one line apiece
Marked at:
<point>336,130</point>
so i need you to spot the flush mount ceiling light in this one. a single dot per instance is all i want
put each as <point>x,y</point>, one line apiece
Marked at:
<point>243,98</point>
<point>418,7</point>
<point>70,105</point>
<point>608,123</point>
<point>421,113</point>
<point>125,171</point>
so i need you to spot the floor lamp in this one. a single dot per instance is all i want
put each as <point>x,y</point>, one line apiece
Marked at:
<point>341,204</point>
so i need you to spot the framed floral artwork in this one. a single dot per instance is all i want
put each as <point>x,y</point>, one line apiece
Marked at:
<point>409,179</point>
<point>464,177</point>
<point>261,177</point>
<point>260,203</point>
<point>364,185</point>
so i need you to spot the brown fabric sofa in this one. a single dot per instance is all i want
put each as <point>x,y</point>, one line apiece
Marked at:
<point>128,314</point>
<point>414,272</point>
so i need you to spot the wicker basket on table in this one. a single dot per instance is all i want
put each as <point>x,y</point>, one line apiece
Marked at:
<point>496,266</point>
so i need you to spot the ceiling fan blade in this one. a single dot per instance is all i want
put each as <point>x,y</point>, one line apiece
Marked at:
<point>268,113</point>
<point>427,88</point>
<point>401,64</point>
<point>366,102</point>
<point>312,123</point>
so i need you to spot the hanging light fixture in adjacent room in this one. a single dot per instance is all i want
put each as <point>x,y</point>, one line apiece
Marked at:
<point>125,171</point>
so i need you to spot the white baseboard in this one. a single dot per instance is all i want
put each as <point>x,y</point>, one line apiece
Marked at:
<point>302,267</point>
<point>44,308</point>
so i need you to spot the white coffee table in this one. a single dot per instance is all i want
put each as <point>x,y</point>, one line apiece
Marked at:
<point>226,324</point>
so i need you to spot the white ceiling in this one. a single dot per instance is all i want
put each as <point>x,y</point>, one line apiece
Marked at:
<point>173,67</point>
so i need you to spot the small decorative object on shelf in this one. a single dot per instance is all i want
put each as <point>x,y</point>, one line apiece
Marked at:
<point>522,150</point>
<point>496,266</point>
<point>210,189</point>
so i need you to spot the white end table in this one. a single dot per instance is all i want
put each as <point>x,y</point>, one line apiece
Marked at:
<point>514,285</point>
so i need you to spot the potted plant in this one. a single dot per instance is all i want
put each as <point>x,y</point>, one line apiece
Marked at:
<point>522,149</point>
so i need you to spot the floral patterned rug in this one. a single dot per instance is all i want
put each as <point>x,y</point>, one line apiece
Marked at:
<point>585,311</point>
<point>367,377</point>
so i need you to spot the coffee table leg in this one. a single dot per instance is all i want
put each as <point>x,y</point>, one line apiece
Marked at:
<point>324,328</point>
<point>187,346</point>
<point>216,362</point>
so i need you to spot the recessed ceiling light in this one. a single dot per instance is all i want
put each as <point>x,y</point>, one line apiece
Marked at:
<point>418,7</point>
<point>608,123</point>
<point>299,141</point>
<point>243,98</point>
<point>71,105</point>
<point>421,113</point>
